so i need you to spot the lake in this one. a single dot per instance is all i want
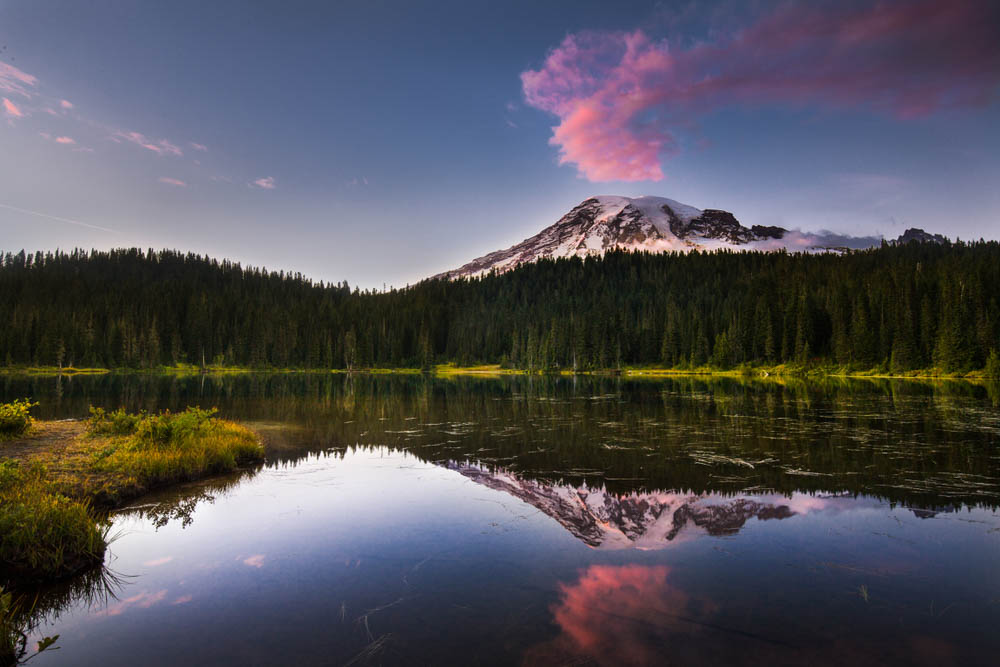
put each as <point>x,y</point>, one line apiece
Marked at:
<point>541,521</point>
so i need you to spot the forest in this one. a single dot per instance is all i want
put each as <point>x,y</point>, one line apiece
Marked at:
<point>894,308</point>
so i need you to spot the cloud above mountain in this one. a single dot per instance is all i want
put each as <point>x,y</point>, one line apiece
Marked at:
<point>624,99</point>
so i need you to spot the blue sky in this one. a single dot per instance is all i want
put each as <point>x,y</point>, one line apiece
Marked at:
<point>381,142</point>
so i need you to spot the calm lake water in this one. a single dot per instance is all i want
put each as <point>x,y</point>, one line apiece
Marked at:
<point>543,521</point>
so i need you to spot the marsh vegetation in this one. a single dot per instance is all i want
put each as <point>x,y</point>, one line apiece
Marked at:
<point>57,479</point>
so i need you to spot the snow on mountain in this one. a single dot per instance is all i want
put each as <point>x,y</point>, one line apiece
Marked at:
<point>654,224</point>
<point>654,520</point>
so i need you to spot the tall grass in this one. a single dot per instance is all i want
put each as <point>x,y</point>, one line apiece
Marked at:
<point>48,528</point>
<point>43,534</point>
<point>156,449</point>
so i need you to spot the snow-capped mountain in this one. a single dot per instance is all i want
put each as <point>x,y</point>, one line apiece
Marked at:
<point>654,520</point>
<point>656,224</point>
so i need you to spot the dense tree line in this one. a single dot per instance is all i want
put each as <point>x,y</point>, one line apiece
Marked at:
<point>904,307</point>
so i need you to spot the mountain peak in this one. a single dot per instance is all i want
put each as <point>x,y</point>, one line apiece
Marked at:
<point>602,223</point>
<point>607,222</point>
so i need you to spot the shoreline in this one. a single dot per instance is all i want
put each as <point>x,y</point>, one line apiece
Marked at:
<point>496,370</point>
<point>92,473</point>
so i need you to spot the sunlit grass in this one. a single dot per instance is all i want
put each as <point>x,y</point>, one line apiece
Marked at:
<point>43,533</point>
<point>150,450</point>
<point>48,528</point>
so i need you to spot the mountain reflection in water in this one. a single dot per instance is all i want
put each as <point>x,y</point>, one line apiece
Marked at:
<point>537,521</point>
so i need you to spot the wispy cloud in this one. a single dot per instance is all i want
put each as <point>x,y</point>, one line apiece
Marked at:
<point>266,183</point>
<point>12,109</point>
<point>158,146</point>
<point>158,561</point>
<point>199,147</point>
<point>65,104</point>
<point>172,181</point>
<point>142,600</point>
<point>65,140</point>
<point>14,81</point>
<point>55,217</point>
<point>256,560</point>
<point>622,98</point>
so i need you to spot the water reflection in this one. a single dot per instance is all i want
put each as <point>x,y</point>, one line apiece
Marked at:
<point>925,445</point>
<point>555,520</point>
<point>33,608</point>
<point>654,520</point>
<point>623,615</point>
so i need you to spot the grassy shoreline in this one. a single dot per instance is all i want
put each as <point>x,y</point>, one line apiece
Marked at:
<point>496,370</point>
<point>58,479</point>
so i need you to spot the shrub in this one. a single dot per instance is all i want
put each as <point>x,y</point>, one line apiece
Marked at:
<point>118,422</point>
<point>15,418</point>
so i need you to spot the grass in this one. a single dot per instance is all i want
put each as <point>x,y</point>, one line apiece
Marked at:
<point>59,473</point>
<point>991,371</point>
<point>151,450</point>
<point>43,533</point>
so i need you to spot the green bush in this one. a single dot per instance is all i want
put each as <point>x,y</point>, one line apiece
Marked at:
<point>118,422</point>
<point>15,418</point>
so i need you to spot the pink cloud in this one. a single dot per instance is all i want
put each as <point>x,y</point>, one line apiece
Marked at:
<point>158,146</point>
<point>254,561</point>
<point>14,81</point>
<point>12,109</point>
<point>623,98</point>
<point>158,561</point>
<point>622,615</point>
<point>65,140</point>
<point>65,104</point>
<point>184,599</point>
<point>266,183</point>
<point>140,600</point>
<point>199,147</point>
<point>172,181</point>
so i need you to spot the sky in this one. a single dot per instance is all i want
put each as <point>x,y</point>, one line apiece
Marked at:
<point>383,142</point>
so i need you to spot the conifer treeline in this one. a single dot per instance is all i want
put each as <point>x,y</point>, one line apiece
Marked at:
<point>904,307</point>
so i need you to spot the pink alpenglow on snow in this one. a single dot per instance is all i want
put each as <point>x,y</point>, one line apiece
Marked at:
<point>622,97</point>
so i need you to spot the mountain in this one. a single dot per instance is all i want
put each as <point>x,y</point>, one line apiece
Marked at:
<point>915,234</point>
<point>638,520</point>
<point>658,224</point>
